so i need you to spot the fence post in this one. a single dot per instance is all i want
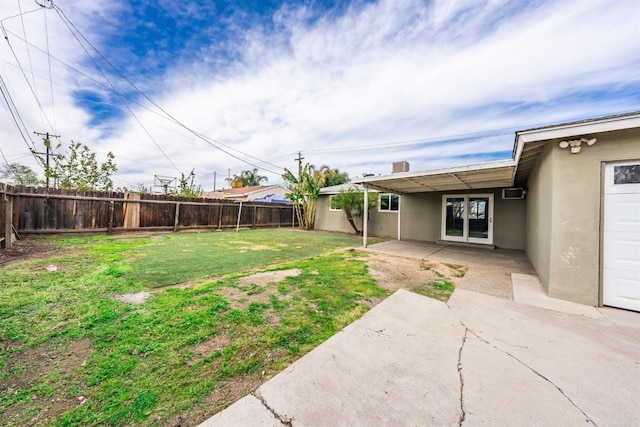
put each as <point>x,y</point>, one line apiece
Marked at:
<point>175,223</point>
<point>239,213</point>
<point>110,223</point>
<point>255,215</point>
<point>8,221</point>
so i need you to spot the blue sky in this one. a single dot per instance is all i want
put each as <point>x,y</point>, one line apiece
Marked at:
<point>354,85</point>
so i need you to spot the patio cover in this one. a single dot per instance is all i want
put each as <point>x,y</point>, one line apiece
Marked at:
<point>527,148</point>
<point>470,177</point>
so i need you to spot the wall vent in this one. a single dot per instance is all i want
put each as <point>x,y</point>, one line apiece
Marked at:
<point>399,167</point>
<point>513,193</point>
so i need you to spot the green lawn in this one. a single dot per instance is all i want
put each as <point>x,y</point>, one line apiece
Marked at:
<point>175,258</point>
<point>71,354</point>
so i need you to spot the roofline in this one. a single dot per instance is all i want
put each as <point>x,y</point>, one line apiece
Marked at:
<point>478,166</point>
<point>335,189</point>
<point>564,130</point>
<point>558,131</point>
<point>571,129</point>
<point>584,121</point>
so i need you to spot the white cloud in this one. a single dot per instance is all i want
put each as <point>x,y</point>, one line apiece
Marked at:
<point>383,72</point>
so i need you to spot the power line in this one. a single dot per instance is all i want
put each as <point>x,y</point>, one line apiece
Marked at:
<point>212,142</point>
<point>15,114</point>
<point>35,95</point>
<point>53,105</point>
<point>19,15</point>
<point>24,32</point>
<point>113,88</point>
<point>9,167</point>
<point>209,141</point>
<point>367,147</point>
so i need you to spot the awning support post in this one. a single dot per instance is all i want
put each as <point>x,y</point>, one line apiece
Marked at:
<point>365,218</point>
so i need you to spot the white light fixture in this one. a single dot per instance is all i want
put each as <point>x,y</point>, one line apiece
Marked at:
<point>576,144</point>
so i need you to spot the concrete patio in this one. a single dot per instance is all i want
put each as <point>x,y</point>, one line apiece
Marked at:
<point>496,354</point>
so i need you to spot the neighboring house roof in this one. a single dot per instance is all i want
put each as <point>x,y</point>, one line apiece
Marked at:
<point>272,198</point>
<point>528,145</point>
<point>232,193</point>
<point>213,195</point>
<point>246,191</point>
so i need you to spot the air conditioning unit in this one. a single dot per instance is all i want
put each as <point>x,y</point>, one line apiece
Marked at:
<point>400,167</point>
<point>513,193</point>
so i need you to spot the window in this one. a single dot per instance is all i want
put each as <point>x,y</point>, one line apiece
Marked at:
<point>389,203</point>
<point>332,204</point>
<point>627,174</point>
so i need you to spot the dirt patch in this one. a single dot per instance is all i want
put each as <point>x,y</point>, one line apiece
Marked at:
<point>262,279</point>
<point>241,299</point>
<point>137,298</point>
<point>209,347</point>
<point>392,273</point>
<point>26,370</point>
<point>258,288</point>
<point>26,249</point>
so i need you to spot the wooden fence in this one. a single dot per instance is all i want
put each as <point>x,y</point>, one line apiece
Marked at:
<point>46,211</point>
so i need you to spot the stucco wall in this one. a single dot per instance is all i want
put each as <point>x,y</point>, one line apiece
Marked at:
<point>538,213</point>
<point>572,239</point>
<point>381,224</point>
<point>509,222</point>
<point>422,219</point>
<point>328,220</point>
<point>425,217</point>
<point>384,224</point>
<point>421,216</point>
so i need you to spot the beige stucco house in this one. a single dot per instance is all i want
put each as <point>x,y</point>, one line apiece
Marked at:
<point>569,197</point>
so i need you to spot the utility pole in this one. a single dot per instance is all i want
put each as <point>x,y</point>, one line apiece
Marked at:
<point>47,143</point>
<point>299,159</point>
<point>214,180</point>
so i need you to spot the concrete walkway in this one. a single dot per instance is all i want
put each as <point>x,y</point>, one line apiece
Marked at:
<point>480,360</point>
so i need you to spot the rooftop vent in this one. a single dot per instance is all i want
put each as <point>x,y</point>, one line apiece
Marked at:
<point>399,167</point>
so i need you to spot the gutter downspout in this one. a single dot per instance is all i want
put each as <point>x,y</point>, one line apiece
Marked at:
<point>365,218</point>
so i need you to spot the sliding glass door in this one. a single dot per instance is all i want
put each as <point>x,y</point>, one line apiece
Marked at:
<point>467,218</point>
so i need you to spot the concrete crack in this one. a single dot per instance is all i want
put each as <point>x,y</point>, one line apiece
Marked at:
<point>286,421</point>
<point>462,412</point>
<point>534,371</point>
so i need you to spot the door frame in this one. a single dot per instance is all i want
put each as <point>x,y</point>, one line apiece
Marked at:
<point>465,229</point>
<point>608,188</point>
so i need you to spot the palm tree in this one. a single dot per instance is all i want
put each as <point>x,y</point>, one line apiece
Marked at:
<point>247,179</point>
<point>327,177</point>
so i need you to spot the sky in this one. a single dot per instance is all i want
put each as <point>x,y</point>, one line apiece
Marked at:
<point>219,87</point>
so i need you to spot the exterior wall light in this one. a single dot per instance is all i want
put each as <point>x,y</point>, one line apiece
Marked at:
<point>576,144</point>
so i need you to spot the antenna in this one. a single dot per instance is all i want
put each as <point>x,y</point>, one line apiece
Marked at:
<point>165,182</point>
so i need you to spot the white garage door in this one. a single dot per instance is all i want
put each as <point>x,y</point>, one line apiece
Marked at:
<point>621,246</point>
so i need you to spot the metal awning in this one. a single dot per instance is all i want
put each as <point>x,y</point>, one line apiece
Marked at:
<point>471,177</point>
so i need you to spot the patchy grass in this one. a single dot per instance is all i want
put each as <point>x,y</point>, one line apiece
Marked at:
<point>72,355</point>
<point>442,286</point>
<point>461,270</point>
<point>437,289</point>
